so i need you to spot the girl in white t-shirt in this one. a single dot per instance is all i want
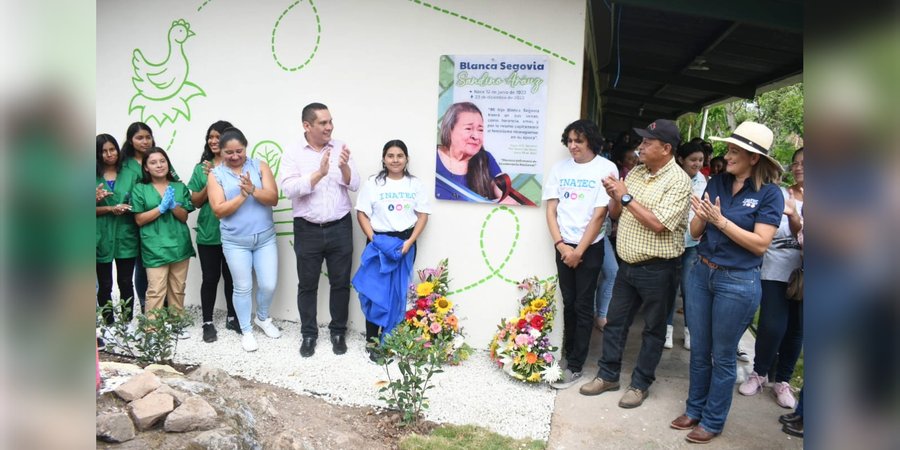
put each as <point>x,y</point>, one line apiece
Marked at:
<point>576,208</point>
<point>392,203</point>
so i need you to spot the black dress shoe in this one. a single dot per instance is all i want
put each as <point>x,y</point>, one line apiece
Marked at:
<point>308,347</point>
<point>790,418</point>
<point>338,345</point>
<point>794,428</point>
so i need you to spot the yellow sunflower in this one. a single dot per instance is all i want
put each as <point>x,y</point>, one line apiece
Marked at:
<point>538,304</point>
<point>443,305</point>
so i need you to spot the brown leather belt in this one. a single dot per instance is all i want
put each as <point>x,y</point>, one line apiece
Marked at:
<point>709,263</point>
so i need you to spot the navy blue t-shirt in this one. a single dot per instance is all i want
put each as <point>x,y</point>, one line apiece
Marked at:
<point>745,210</point>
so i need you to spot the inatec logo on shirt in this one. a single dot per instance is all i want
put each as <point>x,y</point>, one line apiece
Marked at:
<point>398,207</point>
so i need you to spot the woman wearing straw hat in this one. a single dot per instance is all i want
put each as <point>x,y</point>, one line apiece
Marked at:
<point>735,222</point>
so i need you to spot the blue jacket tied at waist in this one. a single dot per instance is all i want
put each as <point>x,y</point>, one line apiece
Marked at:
<point>382,280</point>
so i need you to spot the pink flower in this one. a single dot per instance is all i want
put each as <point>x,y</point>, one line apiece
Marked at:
<point>548,357</point>
<point>435,327</point>
<point>522,339</point>
<point>428,344</point>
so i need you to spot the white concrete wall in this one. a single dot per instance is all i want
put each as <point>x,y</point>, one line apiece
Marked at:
<point>375,64</point>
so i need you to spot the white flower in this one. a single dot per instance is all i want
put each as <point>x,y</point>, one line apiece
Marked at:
<point>507,363</point>
<point>535,333</point>
<point>458,341</point>
<point>551,373</point>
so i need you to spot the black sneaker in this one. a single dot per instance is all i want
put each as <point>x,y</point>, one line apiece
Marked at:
<point>231,323</point>
<point>209,332</point>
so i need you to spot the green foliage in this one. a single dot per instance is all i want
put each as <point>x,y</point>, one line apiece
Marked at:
<point>781,110</point>
<point>154,339</point>
<point>467,437</point>
<point>418,360</point>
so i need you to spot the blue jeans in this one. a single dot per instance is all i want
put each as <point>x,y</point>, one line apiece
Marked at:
<point>608,276</point>
<point>648,285</point>
<point>721,303</point>
<point>688,259</point>
<point>780,333</point>
<point>246,254</point>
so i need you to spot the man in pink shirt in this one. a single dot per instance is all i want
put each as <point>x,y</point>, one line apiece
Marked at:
<point>316,174</point>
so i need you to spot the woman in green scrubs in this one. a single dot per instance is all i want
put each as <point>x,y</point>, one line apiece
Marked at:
<point>161,205</point>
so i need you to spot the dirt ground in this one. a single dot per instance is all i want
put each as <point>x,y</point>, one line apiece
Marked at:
<point>285,419</point>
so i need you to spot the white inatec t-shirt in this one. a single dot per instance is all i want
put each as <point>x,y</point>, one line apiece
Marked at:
<point>579,190</point>
<point>391,205</point>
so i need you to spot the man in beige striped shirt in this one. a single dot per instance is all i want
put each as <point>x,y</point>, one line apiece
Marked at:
<point>652,205</point>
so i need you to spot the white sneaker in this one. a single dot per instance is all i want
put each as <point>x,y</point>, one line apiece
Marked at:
<point>687,338</point>
<point>185,334</point>
<point>268,327</point>
<point>249,342</point>
<point>668,343</point>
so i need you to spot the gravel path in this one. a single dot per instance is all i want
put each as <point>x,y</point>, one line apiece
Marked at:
<point>475,392</point>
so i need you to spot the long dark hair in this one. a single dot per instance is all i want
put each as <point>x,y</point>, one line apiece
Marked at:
<point>127,146</point>
<point>145,176</point>
<point>219,127</point>
<point>101,140</point>
<point>478,174</point>
<point>393,143</point>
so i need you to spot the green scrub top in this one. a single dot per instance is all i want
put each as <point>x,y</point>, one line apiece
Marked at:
<point>127,239</point>
<point>207,224</point>
<point>166,240</point>
<point>106,227</point>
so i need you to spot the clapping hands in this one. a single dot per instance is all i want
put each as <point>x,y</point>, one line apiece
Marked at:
<point>168,201</point>
<point>708,211</point>
<point>247,186</point>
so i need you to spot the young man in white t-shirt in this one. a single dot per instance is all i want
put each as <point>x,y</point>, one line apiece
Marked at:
<point>576,208</point>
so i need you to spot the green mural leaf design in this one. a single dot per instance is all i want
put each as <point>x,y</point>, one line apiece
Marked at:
<point>270,152</point>
<point>312,54</point>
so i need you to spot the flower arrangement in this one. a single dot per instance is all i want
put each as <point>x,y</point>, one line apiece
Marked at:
<point>433,315</point>
<point>522,346</point>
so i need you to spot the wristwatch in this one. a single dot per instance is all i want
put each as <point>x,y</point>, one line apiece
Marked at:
<point>626,199</point>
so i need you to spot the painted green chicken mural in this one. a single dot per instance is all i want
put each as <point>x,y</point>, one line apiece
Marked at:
<point>163,89</point>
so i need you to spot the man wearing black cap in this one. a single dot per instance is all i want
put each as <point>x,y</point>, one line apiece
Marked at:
<point>651,205</point>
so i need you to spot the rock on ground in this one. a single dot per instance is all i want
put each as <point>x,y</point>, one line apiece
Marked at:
<point>115,427</point>
<point>163,369</point>
<point>194,414</point>
<point>290,440</point>
<point>148,410</point>
<point>138,386</point>
<point>179,396</point>
<point>219,439</point>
